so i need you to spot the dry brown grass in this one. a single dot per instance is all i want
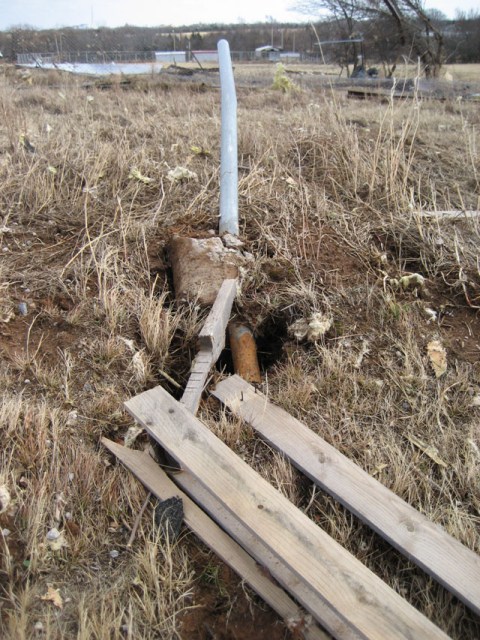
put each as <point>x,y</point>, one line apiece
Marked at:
<point>328,195</point>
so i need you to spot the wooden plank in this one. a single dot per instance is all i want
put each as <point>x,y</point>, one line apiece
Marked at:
<point>196,382</point>
<point>361,599</point>
<point>156,480</point>
<point>425,543</point>
<point>380,94</point>
<point>211,341</point>
<point>319,609</point>
<point>449,215</point>
<point>212,335</point>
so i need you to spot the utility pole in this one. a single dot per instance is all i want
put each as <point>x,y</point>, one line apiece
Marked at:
<point>271,20</point>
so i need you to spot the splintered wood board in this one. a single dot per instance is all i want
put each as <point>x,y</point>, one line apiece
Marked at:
<point>211,341</point>
<point>155,479</point>
<point>364,602</point>
<point>196,382</point>
<point>212,334</point>
<point>425,543</point>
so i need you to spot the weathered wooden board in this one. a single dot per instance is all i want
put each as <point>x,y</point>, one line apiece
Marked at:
<point>196,382</point>
<point>212,335</point>
<point>380,94</point>
<point>425,543</point>
<point>361,599</point>
<point>211,341</point>
<point>449,215</point>
<point>302,593</point>
<point>156,480</point>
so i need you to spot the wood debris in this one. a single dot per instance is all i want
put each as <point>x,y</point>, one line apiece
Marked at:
<point>438,357</point>
<point>53,596</point>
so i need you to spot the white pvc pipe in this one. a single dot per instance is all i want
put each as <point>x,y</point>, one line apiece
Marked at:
<point>229,161</point>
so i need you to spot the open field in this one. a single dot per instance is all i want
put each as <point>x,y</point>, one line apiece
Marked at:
<point>455,72</point>
<point>330,197</point>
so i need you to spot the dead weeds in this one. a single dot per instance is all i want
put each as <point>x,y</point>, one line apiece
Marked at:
<point>329,210</point>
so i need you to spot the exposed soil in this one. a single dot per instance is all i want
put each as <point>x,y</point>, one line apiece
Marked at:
<point>226,609</point>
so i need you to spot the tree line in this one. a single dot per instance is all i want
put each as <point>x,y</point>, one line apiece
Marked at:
<point>376,32</point>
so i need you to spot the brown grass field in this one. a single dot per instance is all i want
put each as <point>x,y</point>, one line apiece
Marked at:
<point>330,191</point>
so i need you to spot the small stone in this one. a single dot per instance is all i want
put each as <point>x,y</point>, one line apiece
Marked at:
<point>231,241</point>
<point>72,418</point>
<point>27,381</point>
<point>6,533</point>
<point>71,476</point>
<point>38,626</point>
<point>5,498</point>
<point>23,308</point>
<point>53,534</point>
<point>114,554</point>
<point>169,517</point>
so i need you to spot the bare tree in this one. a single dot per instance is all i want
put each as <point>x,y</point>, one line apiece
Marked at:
<point>464,37</point>
<point>415,30</point>
<point>419,30</point>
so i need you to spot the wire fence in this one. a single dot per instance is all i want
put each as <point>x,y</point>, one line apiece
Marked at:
<point>88,57</point>
<point>104,57</point>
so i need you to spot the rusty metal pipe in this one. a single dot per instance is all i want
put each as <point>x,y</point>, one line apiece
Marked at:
<point>244,352</point>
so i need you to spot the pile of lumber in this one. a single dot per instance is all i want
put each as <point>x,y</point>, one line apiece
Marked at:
<point>317,585</point>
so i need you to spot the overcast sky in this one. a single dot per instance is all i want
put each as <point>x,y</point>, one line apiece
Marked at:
<point>112,13</point>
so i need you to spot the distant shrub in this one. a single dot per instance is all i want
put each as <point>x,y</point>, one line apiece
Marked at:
<point>281,81</point>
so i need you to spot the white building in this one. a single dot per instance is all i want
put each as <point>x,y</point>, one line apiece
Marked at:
<point>267,52</point>
<point>205,56</point>
<point>171,56</point>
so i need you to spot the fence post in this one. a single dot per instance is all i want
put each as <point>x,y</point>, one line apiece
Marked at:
<point>229,161</point>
